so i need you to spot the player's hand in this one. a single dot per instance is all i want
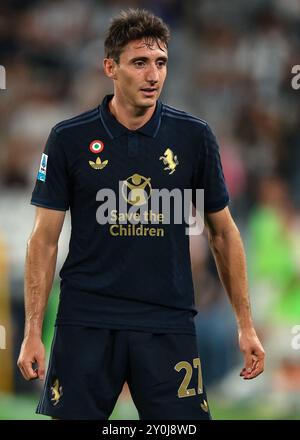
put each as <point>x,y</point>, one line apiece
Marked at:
<point>254,354</point>
<point>32,352</point>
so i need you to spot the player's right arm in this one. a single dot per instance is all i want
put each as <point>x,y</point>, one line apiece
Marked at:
<point>40,266</point>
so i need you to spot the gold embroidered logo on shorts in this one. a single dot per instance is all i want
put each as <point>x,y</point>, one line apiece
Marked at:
<point>170,160</point>
<point>57,392</point>
<point>204,406</point>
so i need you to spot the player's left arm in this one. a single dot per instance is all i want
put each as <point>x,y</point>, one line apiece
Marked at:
<point>228,250</point>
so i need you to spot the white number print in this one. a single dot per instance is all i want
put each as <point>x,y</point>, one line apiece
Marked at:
<point>296,78</point>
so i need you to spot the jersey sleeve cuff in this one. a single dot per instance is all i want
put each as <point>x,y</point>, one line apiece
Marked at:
<point>49,205</point>
<point>217,207</point>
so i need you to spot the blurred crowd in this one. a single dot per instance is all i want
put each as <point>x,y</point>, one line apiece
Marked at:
<point>230,64</point>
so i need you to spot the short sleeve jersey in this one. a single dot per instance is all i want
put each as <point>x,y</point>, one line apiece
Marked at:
<point>124,273</point>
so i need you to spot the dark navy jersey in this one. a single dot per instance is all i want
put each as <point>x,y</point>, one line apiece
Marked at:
<point>128,272</point>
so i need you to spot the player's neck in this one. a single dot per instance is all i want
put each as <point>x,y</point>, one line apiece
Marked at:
<point>131,117</point>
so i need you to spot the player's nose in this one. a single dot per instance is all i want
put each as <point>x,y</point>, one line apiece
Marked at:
<point>152,74</point>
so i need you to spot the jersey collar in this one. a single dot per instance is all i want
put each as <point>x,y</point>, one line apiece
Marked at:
<point>115,129</point>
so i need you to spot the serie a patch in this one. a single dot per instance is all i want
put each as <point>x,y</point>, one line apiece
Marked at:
<point>43,168</point>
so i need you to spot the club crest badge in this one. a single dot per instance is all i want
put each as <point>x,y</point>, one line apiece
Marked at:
<point>56,392</point>
<point>170,160</point>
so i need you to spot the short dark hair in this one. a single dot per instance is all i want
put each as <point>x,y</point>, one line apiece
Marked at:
<point>134,24</point>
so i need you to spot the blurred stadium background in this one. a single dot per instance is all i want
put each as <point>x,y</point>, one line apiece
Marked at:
<point>230,63</point>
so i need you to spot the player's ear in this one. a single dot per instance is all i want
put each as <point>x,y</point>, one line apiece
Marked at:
<point>109,67</point>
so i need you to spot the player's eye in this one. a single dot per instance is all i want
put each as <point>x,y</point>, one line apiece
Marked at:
<point>139,64</point>
<point>161,64</point>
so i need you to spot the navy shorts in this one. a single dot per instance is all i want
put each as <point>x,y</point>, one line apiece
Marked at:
<point>88,367</point>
